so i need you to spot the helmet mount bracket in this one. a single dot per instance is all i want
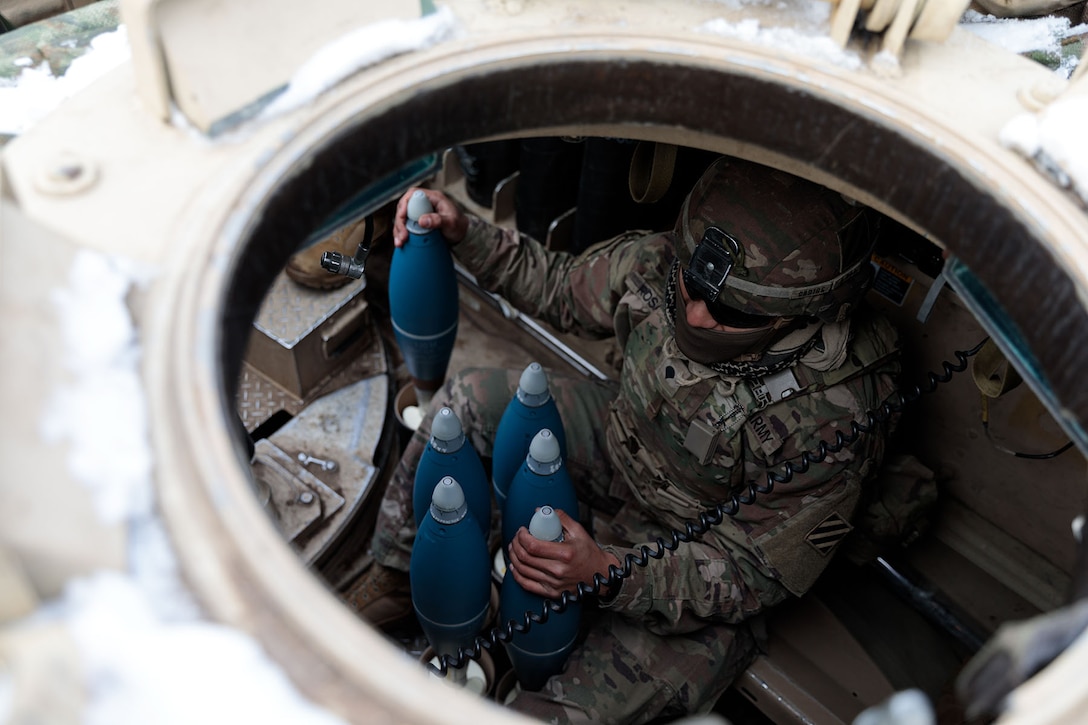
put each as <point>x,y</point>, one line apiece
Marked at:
<point>711,262</point>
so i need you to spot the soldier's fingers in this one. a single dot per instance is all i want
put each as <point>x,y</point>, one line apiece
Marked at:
<point>559,553</point>
<point>533,586</point>
<point>432,220</point>
<point>539,566</point>
<point>571,528</point>
<point>522,554</point>
<point>440,205</point>
<point>452,220</point>
<point>528,549</point>
<point>531,579</point>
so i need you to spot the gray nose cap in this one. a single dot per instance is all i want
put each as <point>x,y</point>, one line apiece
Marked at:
<point>418,205</point>
<point>448,501</point>
<point>447,435</point>
<point>545,525</point>
<point>543,458</point>
<point>533,386</point>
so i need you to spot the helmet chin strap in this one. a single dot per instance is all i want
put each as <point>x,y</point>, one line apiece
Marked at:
<point>719,350</point>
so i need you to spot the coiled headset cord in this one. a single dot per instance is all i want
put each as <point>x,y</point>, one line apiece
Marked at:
<point>694,529</point>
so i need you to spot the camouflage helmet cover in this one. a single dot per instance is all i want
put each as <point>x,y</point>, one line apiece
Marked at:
<point>804,248</point>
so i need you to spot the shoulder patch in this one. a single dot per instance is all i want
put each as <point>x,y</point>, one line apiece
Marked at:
<point>825,535</point>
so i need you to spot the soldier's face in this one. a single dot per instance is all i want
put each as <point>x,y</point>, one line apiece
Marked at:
<point>699,316</point>
<point>696,312</point>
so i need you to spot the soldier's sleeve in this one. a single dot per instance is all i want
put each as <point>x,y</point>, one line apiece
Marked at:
<point>683,589</point>
<point>782,544</point>
<point>575,293</point>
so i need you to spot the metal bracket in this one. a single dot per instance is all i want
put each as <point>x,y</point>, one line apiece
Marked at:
<point>180,47</point>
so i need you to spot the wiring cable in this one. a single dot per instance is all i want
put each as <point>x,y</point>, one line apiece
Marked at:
<point>995,376</point>
<point>695,528</point>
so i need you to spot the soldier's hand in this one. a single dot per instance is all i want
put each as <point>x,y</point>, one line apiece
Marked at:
<point>446,217</point>
<point>549,568</point>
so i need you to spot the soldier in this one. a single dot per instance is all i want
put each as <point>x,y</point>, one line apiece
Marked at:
<point>743,346</point>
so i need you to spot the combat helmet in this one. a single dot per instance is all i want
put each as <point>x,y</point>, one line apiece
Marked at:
<point>769,244</point>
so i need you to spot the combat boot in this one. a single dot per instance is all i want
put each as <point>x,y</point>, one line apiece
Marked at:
<point>382,595</point>
<point>305,267</point>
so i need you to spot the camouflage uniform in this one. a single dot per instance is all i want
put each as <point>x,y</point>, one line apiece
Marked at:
<point>676,438</point>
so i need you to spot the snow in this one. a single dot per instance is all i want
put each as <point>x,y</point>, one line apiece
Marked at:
<point>809,11</point>
<point>154,671</point>
<point>1056,140</point>
<point>1032,35</point>
<point>1017,35</point>
<point>149,656</point>
<point>100,412</point>
<point>815,45</point>
<point>358,49</point>
<point>36,92</point>
<point>810,38</point>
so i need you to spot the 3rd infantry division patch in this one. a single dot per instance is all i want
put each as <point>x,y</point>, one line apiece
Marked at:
<point>829,532</point>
